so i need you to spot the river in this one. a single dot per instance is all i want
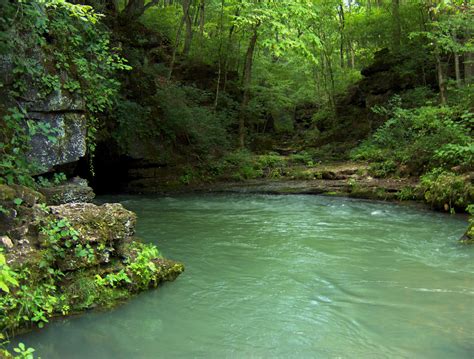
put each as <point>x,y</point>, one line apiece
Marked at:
<point>287,277</point>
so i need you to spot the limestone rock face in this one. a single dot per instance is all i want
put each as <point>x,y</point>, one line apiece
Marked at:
<point>60,116</point>
<point>69,133</point>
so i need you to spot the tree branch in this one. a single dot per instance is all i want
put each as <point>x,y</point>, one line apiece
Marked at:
<point>150,4</point>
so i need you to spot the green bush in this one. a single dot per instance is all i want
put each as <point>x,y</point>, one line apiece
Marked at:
<point>447,190</point>
<point>302,157</point>
<point>243,165</point>
<point>418,140</point>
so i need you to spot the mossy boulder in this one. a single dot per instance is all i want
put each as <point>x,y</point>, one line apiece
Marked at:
<point>71,192</point>
<point>74,257</point>
<point>18,206</point>
<point>7,193</point>
<point>27,195</point>
<point>98,224</point>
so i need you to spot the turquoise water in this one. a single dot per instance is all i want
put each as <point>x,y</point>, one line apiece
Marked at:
<point>287,277</point>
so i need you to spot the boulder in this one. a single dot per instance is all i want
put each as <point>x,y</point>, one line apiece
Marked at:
<point>71,192</point>
<point>67,143</point>
<point>103,224</point>
<point>83,253</point>
<point>60,116</point>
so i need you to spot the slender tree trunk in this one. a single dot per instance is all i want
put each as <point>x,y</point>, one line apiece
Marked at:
<point>341,31</point>
<point>189,27</point>
<point>469,67</point>
<point>441,81</point>
<point>228,50</point>
<point>219,72</point>
<point>202,16</point>
<point>331,78</point>
<point>397,30</point>
<point>246,81</point>
<point>352,56</point>
<point>176,41</point>
<point>457,69</point>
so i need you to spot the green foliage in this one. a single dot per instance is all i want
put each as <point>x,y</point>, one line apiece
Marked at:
<point>178,119</point>
<point>243,165</point>
<point>408,194</point>
<point>185,120</point>
<point>14,145</point>
<point>58,237</point>
<point>32,294</point>
<point>302,157</point>
<point>112,279</point>
<point>7,275</point>
<point>57,179</point>
<point>142,266</point>
<point>23,352</point>
<point>470,229</point>
<point>53,46</point>
<point>447,190</point>
<point>33,302</point>
<point>439,136</point>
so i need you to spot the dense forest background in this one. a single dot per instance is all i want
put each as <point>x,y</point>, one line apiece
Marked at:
<point>204,89</point>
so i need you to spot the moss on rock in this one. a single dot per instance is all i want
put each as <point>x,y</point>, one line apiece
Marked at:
<point>74,257</point>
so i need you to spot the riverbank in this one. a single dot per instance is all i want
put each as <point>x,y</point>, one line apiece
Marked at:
<point>64,259</point>
<point>281,177</point>
<point>296,174</point>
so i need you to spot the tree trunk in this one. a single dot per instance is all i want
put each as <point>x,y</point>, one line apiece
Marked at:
<point>176,41</point>
<point>189,27</point>
<point>441,81</point>
<point>457,69</point>
<point>332,92</point>
<point>134,9</point>
<point>219,73</point>
<point>246,81</point>
<point>225,67</point>
<point>469,67</point>
<point>202,16</point>
<point>341,31</point>
<point>353,61</point>
<point>397,30</point>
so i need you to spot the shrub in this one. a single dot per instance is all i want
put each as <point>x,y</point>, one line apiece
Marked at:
<point>447,190</point>
<point>419,139</point>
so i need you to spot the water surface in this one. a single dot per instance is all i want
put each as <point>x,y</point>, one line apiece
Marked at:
<point>287,277</point>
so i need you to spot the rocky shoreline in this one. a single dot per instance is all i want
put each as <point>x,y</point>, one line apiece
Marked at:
<point>69,257</point>
<point>340,179</point>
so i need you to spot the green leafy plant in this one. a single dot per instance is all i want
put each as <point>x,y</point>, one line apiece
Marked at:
<point>23,352</point>
<point>112,279</point>
<point>142,267</point>
<point>7,275</point>
<point>440,137</point>
<point>447,190</point>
